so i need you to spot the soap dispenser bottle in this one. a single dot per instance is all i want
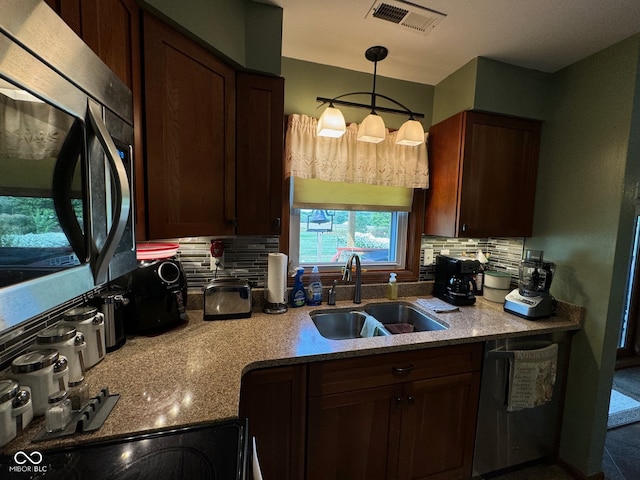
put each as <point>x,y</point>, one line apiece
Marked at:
<point>298,295</point>
<point>314,295</point>
<point>392,287</point>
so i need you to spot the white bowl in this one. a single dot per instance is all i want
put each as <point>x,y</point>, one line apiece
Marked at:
<point>500,280</point>
<point>495,294</point>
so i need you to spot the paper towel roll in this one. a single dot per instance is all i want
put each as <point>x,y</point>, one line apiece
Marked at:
<point>277,278</point>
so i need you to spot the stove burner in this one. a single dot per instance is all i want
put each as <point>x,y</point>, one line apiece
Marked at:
<point>212,452</point>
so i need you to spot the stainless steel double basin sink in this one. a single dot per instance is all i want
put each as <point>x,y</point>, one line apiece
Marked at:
<point>346,323</point>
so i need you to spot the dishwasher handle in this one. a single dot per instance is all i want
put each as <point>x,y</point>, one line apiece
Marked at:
<point>500,354</point>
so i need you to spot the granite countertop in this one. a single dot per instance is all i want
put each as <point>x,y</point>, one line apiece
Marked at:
<point>192,374</point>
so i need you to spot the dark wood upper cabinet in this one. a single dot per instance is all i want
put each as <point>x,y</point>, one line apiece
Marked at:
<point>259,154</point>
<point>482,170</point>
<point>190,132</point>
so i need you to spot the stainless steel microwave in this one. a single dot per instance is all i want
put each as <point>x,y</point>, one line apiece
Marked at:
<point>66,165</point>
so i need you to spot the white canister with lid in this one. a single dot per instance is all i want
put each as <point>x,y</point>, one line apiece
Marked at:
<point>68,342</point>
<point>16,410</point>
<point>90,322</point>
<point>44,372</point>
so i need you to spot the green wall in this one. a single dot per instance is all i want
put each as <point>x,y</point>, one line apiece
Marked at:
<point>455,93</point>
<point>304,81</point>
<point>583,222</point>
<point>245,32</point>
<point>504,88</point>
<point>493,86</point>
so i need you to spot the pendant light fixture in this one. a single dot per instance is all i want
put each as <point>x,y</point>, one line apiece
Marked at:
<point>372,128</point>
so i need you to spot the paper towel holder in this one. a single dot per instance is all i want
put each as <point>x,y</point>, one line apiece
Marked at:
<point>270,307</point>
<point>275,288</point>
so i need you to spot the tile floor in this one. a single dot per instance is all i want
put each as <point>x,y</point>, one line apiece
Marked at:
<point>621,460</point>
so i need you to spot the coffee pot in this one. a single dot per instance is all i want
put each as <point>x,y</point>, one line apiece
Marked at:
<point>461,286</point>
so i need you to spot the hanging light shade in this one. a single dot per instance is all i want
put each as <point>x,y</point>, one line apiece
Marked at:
<point>331,123</point>
<point>371,129</point>
<point>411,133</point>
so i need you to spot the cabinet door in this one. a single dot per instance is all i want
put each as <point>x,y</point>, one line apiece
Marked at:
<point>259,160</point>
<point>438,428</point>
<point>483,170</point>
<point>190,136</point>
<point>69,11</point>
<point>273,400</point>
<point>445,150</point>
<point>499,176</point>
<point>349,434</point>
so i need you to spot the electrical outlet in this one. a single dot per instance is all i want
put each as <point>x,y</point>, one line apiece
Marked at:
<point>444,251</point>
<point>428,257</point>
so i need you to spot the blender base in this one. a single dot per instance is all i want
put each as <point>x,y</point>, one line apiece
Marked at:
<point>531,308</point>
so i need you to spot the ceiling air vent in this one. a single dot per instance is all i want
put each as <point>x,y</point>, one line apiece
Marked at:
<point>408,15</point>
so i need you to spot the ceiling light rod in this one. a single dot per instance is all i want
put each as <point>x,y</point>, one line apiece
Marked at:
<point>378,108</point>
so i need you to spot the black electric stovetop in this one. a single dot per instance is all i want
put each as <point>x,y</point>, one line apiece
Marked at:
<point>211,452</point>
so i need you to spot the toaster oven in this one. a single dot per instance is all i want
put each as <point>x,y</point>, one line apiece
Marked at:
<point>227,298</point>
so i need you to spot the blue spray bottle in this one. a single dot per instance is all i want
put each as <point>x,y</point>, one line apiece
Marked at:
<point>298,295</point>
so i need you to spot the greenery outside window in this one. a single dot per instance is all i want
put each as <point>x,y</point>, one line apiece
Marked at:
<point>327,238</point>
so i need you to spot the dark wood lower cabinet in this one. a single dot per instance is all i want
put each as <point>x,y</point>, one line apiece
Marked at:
<point>349,434</point>
<point>408,415</point>
<point>273,400</point>
<point>438,428</point>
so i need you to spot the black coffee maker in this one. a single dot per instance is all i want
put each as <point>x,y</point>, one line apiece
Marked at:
<point>455,282</point>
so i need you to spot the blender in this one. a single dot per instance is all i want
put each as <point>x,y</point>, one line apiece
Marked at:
<point>532,299</point>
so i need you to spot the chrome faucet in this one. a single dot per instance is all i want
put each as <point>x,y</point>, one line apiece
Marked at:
<point>346,276</point>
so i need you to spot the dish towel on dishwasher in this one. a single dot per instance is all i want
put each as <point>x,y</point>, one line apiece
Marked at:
<point>532,376</point>
<point>370,327</point>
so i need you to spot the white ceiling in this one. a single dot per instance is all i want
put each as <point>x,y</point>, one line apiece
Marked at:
<point>544,35</point>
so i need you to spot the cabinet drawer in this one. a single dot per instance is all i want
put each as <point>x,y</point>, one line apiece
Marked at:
<point>335,376</point>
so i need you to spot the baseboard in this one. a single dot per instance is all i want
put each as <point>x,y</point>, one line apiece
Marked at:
<point>577,474</point>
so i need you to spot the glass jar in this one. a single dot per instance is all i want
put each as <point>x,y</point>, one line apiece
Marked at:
<point>78,393</point>
<point>58,414</point>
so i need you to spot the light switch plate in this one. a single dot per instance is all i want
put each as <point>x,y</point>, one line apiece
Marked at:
<point>428,256</point>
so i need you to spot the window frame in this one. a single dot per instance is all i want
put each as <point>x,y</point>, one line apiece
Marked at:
<point>400,223</point>
<point>415,227</point>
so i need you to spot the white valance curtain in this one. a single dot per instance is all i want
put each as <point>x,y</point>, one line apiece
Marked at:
<point>345,159</point>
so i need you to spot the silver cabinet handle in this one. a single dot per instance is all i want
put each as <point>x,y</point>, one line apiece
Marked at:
<point>402,370</point>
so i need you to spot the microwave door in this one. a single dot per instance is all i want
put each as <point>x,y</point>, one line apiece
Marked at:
<point>70,158</point>
<point>122,205</point>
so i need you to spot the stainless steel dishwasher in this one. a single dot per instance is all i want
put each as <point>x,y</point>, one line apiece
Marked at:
<point>505,439</point>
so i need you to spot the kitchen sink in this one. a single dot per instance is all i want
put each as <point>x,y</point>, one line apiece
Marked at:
<point>401,313</point>
<point>341,324</point>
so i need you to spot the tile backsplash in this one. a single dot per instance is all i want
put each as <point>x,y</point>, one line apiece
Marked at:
<point>245,257</point>
<point>248,257</point>
<point>504,254</point>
